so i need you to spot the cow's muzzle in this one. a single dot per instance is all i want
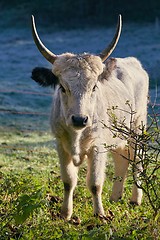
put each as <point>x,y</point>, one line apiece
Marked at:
<point>79,121</point>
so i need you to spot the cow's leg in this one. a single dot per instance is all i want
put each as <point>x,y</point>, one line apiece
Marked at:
<point>137,193</point>
<point>95,178</point>
<point>121,166</point>
<point>69,177</point>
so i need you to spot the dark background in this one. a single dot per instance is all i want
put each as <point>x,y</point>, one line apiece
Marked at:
<point>77,13</point>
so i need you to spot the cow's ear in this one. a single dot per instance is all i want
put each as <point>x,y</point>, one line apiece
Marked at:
<point>44,77</point>
<point>109,67</point>
<point>111,64</point>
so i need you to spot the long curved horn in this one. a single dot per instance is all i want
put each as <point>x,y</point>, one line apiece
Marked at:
<point>109,49</point>
<point>51,57</point>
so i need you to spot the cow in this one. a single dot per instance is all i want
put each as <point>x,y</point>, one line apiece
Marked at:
<point>88,88</point>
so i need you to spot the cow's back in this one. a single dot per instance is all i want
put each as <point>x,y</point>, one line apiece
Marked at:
<point>127,87</point>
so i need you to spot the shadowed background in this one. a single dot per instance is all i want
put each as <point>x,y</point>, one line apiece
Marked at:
<point>70,13</point>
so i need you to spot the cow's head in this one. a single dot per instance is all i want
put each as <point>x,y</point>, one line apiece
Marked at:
<point>78,78</point>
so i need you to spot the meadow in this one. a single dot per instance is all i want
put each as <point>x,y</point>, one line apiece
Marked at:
<point>31,197</point>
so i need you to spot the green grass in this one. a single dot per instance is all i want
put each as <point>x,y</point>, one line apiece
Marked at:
<point>32,192</point>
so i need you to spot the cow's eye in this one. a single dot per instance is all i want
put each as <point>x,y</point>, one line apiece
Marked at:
<point>62,89</point>
<point>94,88</point>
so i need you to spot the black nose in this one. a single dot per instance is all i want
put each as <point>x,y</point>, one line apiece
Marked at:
<point>79,121</point>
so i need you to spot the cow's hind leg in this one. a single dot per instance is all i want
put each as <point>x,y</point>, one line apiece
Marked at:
<point>137,193</point>
<point>121,166</point>
<point>69,177</point>
<point>137,168</point>
<point>95,178</point>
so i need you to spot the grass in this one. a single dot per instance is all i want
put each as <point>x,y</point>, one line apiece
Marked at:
<point>32,192</point>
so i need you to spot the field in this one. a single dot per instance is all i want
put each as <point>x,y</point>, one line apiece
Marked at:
<point>31,189</point>
<point>31,196</point>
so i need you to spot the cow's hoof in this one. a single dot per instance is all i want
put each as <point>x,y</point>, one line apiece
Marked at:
<point>102,217</point>
<point>75,220</point>
<point>115,199</point>
<point>105,218</point>
<point>134,203</point>
<point>65,216</point>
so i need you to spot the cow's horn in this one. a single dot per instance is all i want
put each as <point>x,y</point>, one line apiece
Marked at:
<point>109,49</point>
<point>45,52</point>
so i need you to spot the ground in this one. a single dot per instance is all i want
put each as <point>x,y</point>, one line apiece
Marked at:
<point>31,196</point>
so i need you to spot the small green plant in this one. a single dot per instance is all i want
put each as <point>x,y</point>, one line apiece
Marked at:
<point>25,205</point>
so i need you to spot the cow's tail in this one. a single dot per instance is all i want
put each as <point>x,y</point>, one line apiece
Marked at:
<point>77,161</point>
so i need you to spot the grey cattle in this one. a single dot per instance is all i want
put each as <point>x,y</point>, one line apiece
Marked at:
<point>87,89</point>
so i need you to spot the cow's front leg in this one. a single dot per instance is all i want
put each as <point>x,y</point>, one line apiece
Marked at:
<point>95,178</point>
<point>69,177</point>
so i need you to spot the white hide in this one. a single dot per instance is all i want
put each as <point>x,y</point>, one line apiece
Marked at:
<point>91,88</point>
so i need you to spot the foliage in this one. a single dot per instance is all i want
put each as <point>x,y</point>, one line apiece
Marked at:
<point>145,142</point>
<point>31,197</point>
